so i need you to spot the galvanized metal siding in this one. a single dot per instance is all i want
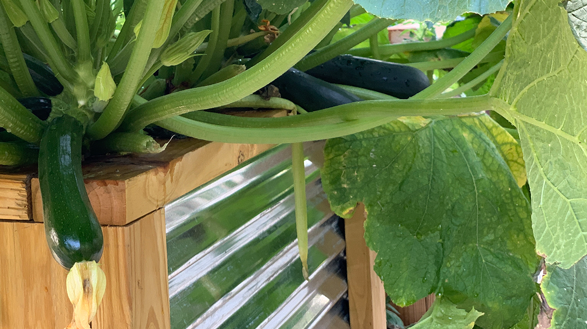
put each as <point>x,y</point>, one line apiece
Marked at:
<point>233,256</point>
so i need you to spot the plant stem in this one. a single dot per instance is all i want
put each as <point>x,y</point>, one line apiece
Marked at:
<point>473,82</point>
<point>212,42</point>
<point>223,74</point>
<point>19,121</point>
<point>128,142</point>
<point>290,32</point>
<point>365,94</point>
<point>128,86</point>
<point>351,113</point>
<point>245,83</point>
<point>202,10</point>
<point>134,17</point>
<point>388,50</point>
<point>235,42</point>
<point>217,56</point>
<point>468,63</point>
<point>329,52</point>
<point>299,180</point>
<point>149,73</point>
<point>182,16</point>
<point>14,57</point>
<point>374,46</point>
<point>54,53</point>
<point>17,154</point>
<point>239,135</point>
<point>83,31</point>
<point>63,34</point>
<point>454,62</point>
<point>326,41</point>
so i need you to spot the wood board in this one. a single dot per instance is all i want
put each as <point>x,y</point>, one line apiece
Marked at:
<point>124,188</point>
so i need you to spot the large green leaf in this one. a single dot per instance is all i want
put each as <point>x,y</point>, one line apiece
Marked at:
<point>433,10</point>
<point>542,90</point>
<point>445,214</point>
<point>445,315</point>
<point>566,292</point>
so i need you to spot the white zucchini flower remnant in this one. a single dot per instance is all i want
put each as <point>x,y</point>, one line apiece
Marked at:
<point>86,284</point>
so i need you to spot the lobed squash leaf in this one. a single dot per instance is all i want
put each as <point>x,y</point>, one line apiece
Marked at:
<point>445,213</point>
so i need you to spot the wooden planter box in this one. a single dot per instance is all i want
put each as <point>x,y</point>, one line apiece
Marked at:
<point>128,194</point>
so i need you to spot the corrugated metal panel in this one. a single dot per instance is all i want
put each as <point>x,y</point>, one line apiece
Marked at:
<point>233,258</point>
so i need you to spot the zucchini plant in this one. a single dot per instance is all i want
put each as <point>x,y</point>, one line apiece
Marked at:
<point>478,198</point>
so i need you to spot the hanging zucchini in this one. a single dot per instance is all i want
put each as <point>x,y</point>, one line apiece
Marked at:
<point>71,227</point>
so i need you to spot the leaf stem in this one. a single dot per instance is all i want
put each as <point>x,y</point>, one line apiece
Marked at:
<point>388,50</point>
<point>468,63</point>
<point>82,30</point>
<point>135,15</point>
<point>128,142</point>
<point>212,42</point>
<point>19,121</point>
<point>133,74</point>
<point>374,46</point>
<point>365,94</point>
<point>473,82</point>
<point>299,180</point>
<point>329,52</point>
<point>454,62</point>
<point>14,57</point>
<point>245,83</point>
<point>17,154</point>
<point>329,123</point>
<point>52,48</point>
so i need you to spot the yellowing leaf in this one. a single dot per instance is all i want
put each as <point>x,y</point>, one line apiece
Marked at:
<point>104,87</point>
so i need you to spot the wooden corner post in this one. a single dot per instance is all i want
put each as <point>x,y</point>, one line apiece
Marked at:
<point>366,293</point>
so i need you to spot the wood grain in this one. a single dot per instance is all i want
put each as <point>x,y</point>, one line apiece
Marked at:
<point>366,293</point>
<point>124,188</point>
<point>33,293</point>
<point>14,196</point>
<point>412,314</point>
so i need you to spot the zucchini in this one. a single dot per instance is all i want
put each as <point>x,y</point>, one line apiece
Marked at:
<point>43,76</point>
<point>312,94</point>
<point>71,226</point>
<point>39,106</point>
<point>393,79</point>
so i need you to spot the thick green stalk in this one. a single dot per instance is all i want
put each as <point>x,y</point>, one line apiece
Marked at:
<point>217,56</point>
<point>352,112</point>
<point>468,63</point>
<point>343,45</point>
<point>326,41</point>
<point>19,121</point>
<point>212,42</point>
<point>14,57</point>
<point>374,46</point>
<point>82,30</point>
<point>128,142</point>
<point>32,43</point>
<point>202,10</point>
<point>224,134</point>
<point>101,18</point>
<point>290,32</point>
<point>388,50</point>
<point>299,180</point>
<point>125,91</point>
<point>17,154</point>
<point>245,83</point>
<point>149,74</point>
<point>473,82</point>
<point>235,42</point>
<point>223,74</point>
<point>454,62</point>
<point>365,94</point>
<point>54,53</point>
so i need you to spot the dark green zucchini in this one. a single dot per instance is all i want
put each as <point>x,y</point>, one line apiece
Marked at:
<point>71,227</point>
<point>43,76</point>
<point>393,79</point>
<point>312,94</point>
<point>39,106</point>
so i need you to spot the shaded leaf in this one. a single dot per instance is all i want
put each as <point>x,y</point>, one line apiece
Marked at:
<point>459,27</point>
<point>432,10</point>
<point>577,13</point>
<point>566,291</point>
<point>542,90</point>
<point>445,214</point>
